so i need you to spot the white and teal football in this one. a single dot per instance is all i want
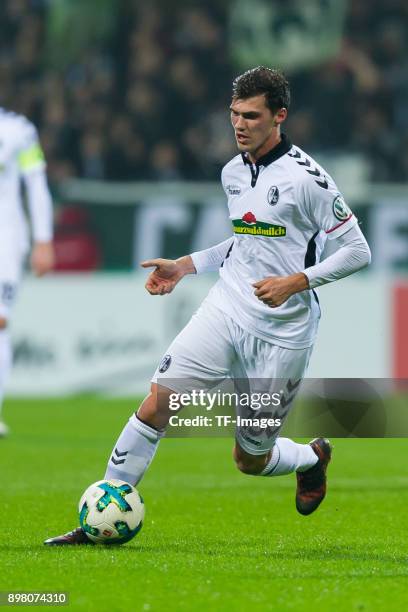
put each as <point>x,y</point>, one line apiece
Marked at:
<point>111,512</point>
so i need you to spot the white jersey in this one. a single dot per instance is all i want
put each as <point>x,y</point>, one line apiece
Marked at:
<point>282,210</point>
<point>20,155</point>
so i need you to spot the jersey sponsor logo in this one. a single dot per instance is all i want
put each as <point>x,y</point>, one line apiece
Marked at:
<point>273,195</point>
<point>249,225</point>
<point>233,189</point>
<point>340,209</point>
<point>249,218</point>
<point>165,364</point>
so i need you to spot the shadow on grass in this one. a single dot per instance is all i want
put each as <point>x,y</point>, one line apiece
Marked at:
<point>251,549</point>
<point>258,549</point>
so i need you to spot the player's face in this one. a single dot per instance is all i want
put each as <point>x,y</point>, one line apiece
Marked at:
<point>254,123</point>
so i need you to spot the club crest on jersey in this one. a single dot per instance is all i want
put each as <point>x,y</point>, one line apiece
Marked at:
<point>165,364</point>
<point>340,209</point>
<point>273,195</point>
<point>233,189</point>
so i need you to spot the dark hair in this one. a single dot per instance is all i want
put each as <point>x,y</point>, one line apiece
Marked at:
<point>261,80</point>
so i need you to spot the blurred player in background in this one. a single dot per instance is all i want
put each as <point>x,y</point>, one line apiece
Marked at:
<point>22,165</point>
<point>259,321</point>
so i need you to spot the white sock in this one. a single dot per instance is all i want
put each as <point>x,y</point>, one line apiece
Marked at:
<point>5,361</point>
<point>133,452</point>
<point>288,456</point>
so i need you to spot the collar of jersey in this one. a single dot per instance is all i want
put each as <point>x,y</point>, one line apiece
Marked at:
<point>280,149</point>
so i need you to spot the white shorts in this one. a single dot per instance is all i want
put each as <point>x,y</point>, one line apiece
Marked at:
<point>11,264</point>
<point>212,348</point>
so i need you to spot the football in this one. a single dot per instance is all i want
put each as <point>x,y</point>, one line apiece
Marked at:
<point>111,512</point>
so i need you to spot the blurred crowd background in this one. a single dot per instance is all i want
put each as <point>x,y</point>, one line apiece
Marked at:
<point>146,96</point>
<point>131,102</point>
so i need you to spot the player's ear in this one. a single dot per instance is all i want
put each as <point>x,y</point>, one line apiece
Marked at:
<point>280,116</point>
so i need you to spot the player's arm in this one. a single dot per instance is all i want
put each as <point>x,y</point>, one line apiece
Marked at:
<point>40,206</point>
<point>353,255</point>
<point>168,272</point>
<point>32,168</point>
<point>210,260</point>
<point>328,212</point>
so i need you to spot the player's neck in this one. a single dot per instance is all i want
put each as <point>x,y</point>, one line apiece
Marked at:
<point>269,144</point>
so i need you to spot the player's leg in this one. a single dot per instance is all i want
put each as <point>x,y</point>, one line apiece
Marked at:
<point>133,451</point>
<point>10,267</point>
<point>11,262</point>
<point>138,442</point>
<point>5,366</point>
<point>274,369</point>
<point>201,352</point>
<point>309,461</point>
<point>285,457</point>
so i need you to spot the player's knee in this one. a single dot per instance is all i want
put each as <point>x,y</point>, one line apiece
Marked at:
<point>3,323</point>
<point>248,464</point>
<point>148,408</point>
<point>154,410</point>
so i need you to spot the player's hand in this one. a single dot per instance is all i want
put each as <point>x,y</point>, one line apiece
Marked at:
<point>42,258</point>
<point>275,290</point>
<point>167,274</point>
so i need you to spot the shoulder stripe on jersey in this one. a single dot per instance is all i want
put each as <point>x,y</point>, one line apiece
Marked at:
<point>304,163</point>
<point>307,163</point>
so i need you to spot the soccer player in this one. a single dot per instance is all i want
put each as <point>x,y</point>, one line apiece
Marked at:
<point>260,319</point>
<point>21,161</point>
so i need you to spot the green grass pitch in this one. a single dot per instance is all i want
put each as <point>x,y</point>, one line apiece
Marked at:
<point>213,539</point>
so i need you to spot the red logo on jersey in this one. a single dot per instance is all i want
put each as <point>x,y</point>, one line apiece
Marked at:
<point>249,218</point>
